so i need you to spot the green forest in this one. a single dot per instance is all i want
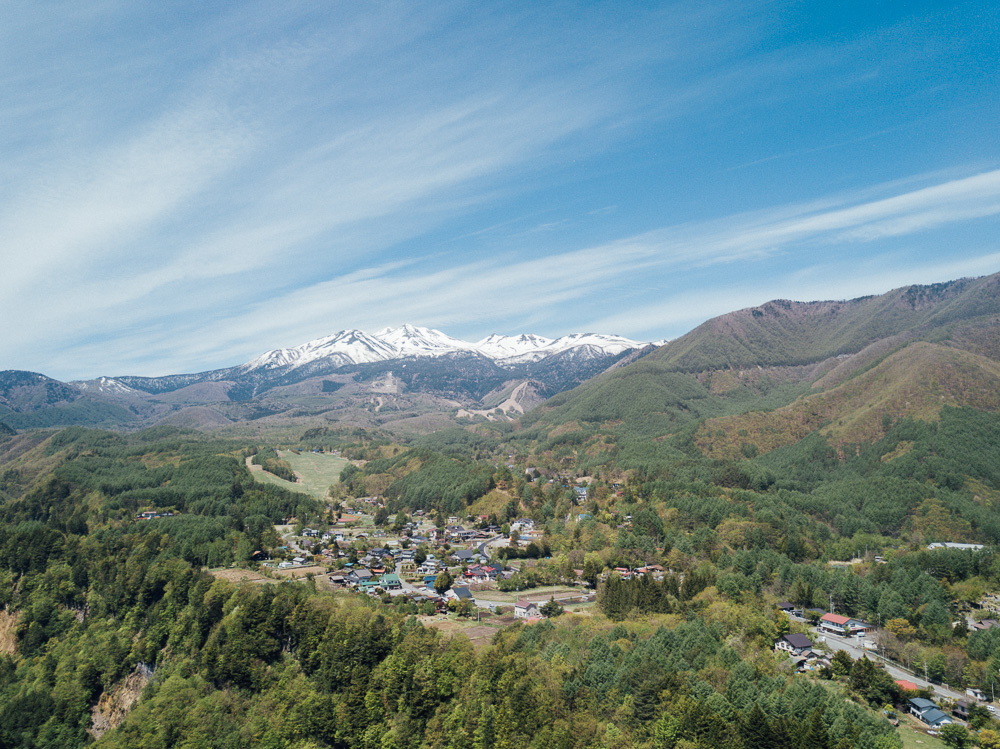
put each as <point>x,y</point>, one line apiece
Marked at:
<point>98,603</point>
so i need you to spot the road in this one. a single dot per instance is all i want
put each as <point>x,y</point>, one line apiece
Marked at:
<point>484,547</point>
<point>855,648</point>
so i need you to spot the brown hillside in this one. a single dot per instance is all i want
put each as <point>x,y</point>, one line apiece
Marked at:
<point>783,332</point>
<point>916,381</point>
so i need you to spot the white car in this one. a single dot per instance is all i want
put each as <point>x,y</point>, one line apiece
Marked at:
<point>991,708</point>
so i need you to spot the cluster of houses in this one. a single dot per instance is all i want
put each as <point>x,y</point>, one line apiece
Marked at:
<point>654,570</point>
<point>800,649</point>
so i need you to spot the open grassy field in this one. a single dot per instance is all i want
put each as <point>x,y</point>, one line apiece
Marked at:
<point>914,738</point>
<point>317,472</point>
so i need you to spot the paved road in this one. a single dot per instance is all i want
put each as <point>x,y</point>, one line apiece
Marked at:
<point>484,547</point>
<point>855,649</point>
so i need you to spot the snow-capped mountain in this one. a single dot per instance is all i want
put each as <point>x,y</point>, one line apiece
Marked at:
<point>347,371</point>
<point>343,348</point>
<point>502,347</point>
<point>588,343</point>
<point>420,358</point>
<point>355,347</point>
<point>410,340</point>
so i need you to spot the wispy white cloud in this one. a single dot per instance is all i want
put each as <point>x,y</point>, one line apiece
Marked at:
<point>209,184</point>
<point>474,294</point>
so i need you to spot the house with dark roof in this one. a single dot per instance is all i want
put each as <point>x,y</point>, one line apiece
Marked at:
<point>358,576</point>
<point>935,718</point>
<point>918,706</point>
<point>461,593</point>
<point>794,644</point>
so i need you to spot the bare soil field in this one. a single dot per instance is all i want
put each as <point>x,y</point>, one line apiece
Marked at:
<point>8,633</point>
<point>241,575</point>
<point>299,573</point>
<point>480,635</point>
<point>538,595</point>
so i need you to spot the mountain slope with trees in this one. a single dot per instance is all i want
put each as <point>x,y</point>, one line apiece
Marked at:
<point>768,376</point>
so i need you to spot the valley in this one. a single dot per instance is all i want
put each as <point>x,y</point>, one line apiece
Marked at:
<point>624,557</point>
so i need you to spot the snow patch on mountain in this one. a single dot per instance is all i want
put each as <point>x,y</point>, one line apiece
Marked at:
<point>104,386</point>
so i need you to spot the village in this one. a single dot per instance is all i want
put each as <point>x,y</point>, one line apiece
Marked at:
<point>455,568</point>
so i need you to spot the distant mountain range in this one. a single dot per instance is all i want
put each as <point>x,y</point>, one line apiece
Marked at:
<point>356,347</point>
<point>349,371</point>
<point>742,384</point>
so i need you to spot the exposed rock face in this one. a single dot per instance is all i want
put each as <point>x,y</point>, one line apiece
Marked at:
<point>111,709</point>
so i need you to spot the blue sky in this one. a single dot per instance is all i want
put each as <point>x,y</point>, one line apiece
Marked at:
<point>184,187</point>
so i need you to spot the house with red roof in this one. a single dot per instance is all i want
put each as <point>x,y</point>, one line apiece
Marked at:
<point>835,623</point>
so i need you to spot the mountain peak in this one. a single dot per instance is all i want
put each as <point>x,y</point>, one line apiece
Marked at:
<point>357,347</point>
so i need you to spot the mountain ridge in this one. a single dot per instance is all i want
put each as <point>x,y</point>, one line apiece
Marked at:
<point>764,377</point>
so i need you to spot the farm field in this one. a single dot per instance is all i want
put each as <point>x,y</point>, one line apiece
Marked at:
<point>539,595</point>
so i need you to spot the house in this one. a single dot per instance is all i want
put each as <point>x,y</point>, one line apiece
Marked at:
<point>460,593</point>
<point>961,709</point>
<point>835,623</point>
<point>358,576</point>
<point>786,607</point>
<point>391,582</point>
<point>906,686</point>
<point>984,624</point>
<point>918,706</point>
<point>858,625</point>
<point>794,644</point>
<point>976,694</point>
<point>525,609</point>
<point>935,718</point>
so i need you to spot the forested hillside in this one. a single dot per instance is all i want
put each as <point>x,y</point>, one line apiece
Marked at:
<point>767,377</point>
<point>819,481</point>
<point>97,602</point>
